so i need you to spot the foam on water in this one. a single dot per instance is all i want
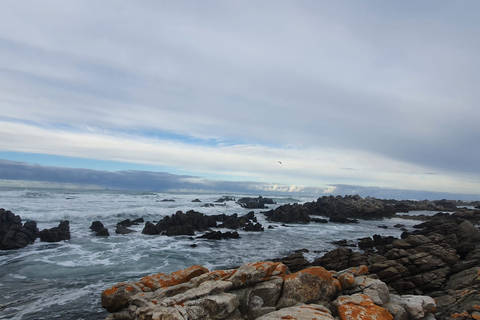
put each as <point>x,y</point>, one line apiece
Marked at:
<point>65,279</point>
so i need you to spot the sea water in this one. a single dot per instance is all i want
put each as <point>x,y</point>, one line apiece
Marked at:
<point>65,279</point>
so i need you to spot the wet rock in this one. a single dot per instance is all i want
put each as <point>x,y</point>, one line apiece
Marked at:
<point>99,229</point>
<point>196,200</point>
<point>289,213</point>
<point>56,234</point>
<point>254,203</point>
<point>218,235</point>
<point>14,235</point>
<point>123,230</point>
<point>340,219</point>
<point>181,224</point>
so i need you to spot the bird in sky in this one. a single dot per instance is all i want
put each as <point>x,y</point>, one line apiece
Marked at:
<point>279,162</point>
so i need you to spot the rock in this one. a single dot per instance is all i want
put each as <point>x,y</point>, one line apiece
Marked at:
<point>117,297</point>
<point>257,227</point>
<point>161,280</point>
<point>168,200</point>
<point>123,230</point>
<point>289,213</point>
<point>150,229</point>
<point>254,203</point>
<point>374,289</point>
<point>340,259</point>
<point>56,234</point>
<point>340,219</point>
<point>97,226</point>
<point>295,262</point>
<point>224,199</point>
<point>196,200</point>
<point>311,285</point>
<point>14,235</point>
<point>360,306</point>
<point>417,307</point>
<point>102,233</point>
<point>300,312</point>
<point>218,235</point>
<point>99,229</point>
<point>252,273</point>
<point>181,224</point>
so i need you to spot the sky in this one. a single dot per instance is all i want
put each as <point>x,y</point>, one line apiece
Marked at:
<point>281,96</point>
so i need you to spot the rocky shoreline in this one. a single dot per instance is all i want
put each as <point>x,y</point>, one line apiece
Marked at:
<point>439,261</point>
<point>431,273</point>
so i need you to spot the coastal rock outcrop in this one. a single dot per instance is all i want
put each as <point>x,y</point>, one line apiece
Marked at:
<point>261,290</point>
<point>99,229</point>
<point>14,234</point>
<point>254,203</point>
<point>181,224</point>
<point>56,234</point>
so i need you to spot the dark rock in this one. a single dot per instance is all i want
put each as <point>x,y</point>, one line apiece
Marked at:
<point>102,233</point>
<point>150,229</point>
<point>383,227</point>
<point>399,225</point>
<point>340,219</point>
<point>254,203</point>
<point>129,223</point>
<point>218,235</point>
<point>181,224</point>
<point>186,230</point>
<point>289,213</point>
<point>366,243</point>
<point>318,220</point>
<point>344,243</point>
<point>138,221</point>
<point>295,261</point>
<point>167,200</point>
<point>208,205</point>
<point>97,226</point>
<point>56,234</point>
<point>224,198</point>
<point>196,200</point>
<point>253,227</point>
<point>123,230</point>
<point>14,235</point>
<point>340,259</point>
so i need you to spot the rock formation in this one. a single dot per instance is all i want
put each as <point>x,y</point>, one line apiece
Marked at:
<point>56,234</point>
<point>263,291</point>
<point>14,234</point>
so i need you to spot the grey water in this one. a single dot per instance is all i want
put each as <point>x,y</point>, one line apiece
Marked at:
<point>64,280</point>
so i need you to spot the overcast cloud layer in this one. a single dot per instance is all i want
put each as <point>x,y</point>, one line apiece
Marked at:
<point>375,93</point>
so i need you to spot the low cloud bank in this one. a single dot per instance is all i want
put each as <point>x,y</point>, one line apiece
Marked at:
<point>165,182</point>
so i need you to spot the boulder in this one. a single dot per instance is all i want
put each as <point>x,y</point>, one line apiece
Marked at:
<point>218,235</point>
<point>14,235</point>
<point>56,234</point>
<point>123,230</point>
<point>417,307</point>
<point>312,285</point>
<point>360,307</point>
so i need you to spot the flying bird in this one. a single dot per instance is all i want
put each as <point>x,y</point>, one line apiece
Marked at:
<point>279,162</point>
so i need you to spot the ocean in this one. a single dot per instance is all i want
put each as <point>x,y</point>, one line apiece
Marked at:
<point>64,280</point>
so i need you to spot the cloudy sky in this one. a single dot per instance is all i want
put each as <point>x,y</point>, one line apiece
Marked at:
<point>377,94</point>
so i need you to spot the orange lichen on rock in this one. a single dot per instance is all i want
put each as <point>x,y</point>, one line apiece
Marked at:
<point>360,271</point>
<point>270,268</point>
<point>110,291</point>
<point>162,280</point>
<point>475,316</point>
<point>361,308</point>
<point>347,281</point>
<point>314,271</point>
<point>458,315</point>
<point>223,274</point>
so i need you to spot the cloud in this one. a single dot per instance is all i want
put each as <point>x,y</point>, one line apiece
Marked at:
<point>227,88</point>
